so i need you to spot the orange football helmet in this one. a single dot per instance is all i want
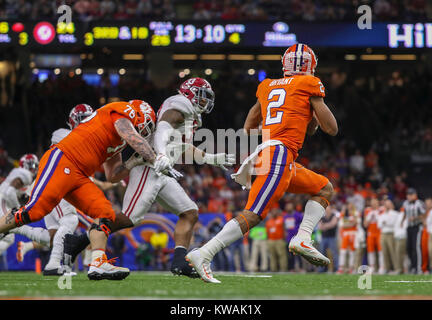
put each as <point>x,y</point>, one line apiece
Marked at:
<point>146,117</point>
<point>299,59</point>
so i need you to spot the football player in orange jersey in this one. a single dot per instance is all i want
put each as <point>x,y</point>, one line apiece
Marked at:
<point>65,169</point>
<point>348,227</point>
<point>373,241</point>
<point>288,108</point>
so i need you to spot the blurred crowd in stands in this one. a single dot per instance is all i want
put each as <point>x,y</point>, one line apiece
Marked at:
<point>306,10</point>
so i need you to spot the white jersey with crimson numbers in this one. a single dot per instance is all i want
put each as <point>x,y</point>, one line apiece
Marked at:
<point>146,187</point>
<point>26,177</point>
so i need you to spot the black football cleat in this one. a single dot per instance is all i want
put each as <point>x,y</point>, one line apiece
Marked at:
<point>73,245</point>
<point>54,272</point>
<point>182,268</point>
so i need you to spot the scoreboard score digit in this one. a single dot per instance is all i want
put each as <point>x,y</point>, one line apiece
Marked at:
<point>209,34</point>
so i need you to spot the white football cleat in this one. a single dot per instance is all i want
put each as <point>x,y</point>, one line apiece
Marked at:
<point>101,268</point>
<point>201,265</point>
<point>306,249</point>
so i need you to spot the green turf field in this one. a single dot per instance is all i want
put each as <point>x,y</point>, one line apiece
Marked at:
<point>233,286</point>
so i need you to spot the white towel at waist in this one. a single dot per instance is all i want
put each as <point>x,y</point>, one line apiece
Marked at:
<point>244,174</point>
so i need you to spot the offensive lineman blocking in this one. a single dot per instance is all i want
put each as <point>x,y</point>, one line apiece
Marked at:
<point>65,169</point>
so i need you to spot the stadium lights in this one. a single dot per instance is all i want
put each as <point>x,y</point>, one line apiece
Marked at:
<point>373,57</point>
<point>184,56</point>
<point>350,57</point>
<point>240,57</point>
<point>133,56</point>
<point>251,72</point>
<point>212,57</point>
<point>208,71</point>
<point>100,71</point>
<point>186,71</point>
<point>408,57</point>
<point>122,71</point>
<point>78,71</point>
<point>269,57</point>
<point>56,71</point>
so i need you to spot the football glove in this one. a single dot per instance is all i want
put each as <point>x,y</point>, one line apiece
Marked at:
<point>219,159</point>
<point>162,163</point>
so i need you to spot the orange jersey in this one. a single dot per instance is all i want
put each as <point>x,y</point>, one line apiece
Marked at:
<point>95,140</point>
<point>348,222</point>
<point>373,224</point>
<point>285,107</point>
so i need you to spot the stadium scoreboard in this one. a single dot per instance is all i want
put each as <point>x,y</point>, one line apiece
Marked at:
<point>195,34</point>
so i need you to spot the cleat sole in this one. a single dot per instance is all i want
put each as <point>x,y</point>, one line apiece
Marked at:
<point>108,276</point>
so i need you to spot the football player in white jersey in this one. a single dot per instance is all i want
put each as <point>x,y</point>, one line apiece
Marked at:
<point>63,218</point>
<point>176,114</point>
<point>12,189</point>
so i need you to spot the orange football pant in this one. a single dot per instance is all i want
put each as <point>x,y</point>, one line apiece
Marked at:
<point>282,175</point>
<point>373,242</point>
<point>58,178</point>
<point>347,240</point>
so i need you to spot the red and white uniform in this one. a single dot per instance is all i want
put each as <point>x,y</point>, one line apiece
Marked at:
<point>8,194</point>
<point>145,186</point>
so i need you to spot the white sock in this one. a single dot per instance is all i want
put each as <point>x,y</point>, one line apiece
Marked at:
<point>87,257</point>
<point>26,247</point>
<point>230,233</point>
<point>342,259</point>
<point>381,261</point>
<point>351,260</point>
<point>96,254</point>
<point>371,260</point>
<point>39,235</point>
<point>312,215</point>
<point>57,250</point>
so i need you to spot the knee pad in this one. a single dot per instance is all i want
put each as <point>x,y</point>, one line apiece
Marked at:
<point>22,217</point>
<point>105,225</point>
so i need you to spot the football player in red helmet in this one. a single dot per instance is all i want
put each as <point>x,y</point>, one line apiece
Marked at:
<point>146,186</point>
<point>30,162</point>
<point>78,114</point>
<point>200,94</point>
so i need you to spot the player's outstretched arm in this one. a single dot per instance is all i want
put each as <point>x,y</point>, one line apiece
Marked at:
<point>325,117</point>
<point>127,132</point>
<point>253,119</point>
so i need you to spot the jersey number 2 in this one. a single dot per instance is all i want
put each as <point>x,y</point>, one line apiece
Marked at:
<point>280,93</point>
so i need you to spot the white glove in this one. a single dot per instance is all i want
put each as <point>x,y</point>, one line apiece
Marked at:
<point>171,172</point>
<point>162,163</point>
<point>220,159</point>
<point>133,161</point>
